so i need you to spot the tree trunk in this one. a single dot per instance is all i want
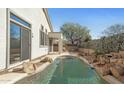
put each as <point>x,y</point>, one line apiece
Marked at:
<point>72,42</point>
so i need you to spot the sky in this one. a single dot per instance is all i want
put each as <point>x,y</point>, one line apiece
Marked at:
<point>96,19</point>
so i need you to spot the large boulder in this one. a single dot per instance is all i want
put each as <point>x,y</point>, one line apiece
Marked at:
<point>119,61</point>
<point>102,60</point>
<point>117,70</point>
<point>121,78</point>
<point>121,54</point>
<point>81,53</point>
<point>115,55</point>
<point>29,68</point>
<point>92,58</point>
<point>47,59</point>
<point>105,70</point>
<point>123,62</point>
<point>95,59</point>
<point>113,60</point>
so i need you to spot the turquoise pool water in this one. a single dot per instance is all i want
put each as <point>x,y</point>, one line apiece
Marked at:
<point>66,70</point>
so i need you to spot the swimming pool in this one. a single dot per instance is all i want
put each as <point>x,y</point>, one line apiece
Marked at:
<point>65,70</point>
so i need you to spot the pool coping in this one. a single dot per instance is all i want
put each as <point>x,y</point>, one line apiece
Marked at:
<point>110,79</point>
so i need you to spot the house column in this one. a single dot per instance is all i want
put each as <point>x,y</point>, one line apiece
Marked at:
<point>60,46</point>
<point>50,45</point>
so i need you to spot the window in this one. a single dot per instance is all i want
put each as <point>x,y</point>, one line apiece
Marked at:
<point>46,37</point>
<point>14,17</point>
<point>43,37</point>
<point>46,31</point>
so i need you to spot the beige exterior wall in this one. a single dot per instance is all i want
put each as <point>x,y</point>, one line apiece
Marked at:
<point>36,17</point>
<point>2,38</point>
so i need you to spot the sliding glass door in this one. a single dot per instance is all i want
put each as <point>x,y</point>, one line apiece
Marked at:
<point>25,47</point>
<point>15,43</point>
<point>19,43</point>
<point>19,39</point>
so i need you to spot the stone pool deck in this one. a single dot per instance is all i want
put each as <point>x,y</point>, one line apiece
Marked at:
<point>13,77</point>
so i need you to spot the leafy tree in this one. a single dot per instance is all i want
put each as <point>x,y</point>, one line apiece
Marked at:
<point>114,30</point>
<point>116,36</point>
<point>112,41</point>
<point>75,33</point>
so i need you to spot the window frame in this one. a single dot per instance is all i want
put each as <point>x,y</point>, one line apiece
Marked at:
<point>46,37</point>
<point>9,20</point>
<point>43,35</point>
<point>18,19</point>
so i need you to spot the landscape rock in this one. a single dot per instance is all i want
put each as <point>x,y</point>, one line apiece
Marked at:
<point>117,70</point>
<point>113,60</point>
<point>86,51</point>
<point>119,61</point>
<point>121,78</point>
<point>105,70</point>
<point>29,67</point>
<point>121,53</point>
<point>102,60</point>
<point>47,59</point>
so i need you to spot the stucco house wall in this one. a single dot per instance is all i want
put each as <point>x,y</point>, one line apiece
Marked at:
<point>2,38</point>
<point>36,17</point>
